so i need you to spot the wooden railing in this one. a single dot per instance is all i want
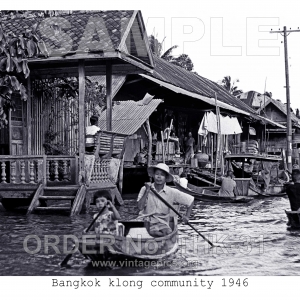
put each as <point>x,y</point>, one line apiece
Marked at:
<point>25,169</point>
<point>60,168</point>
<point>34,169</point>
<point>100,171</point>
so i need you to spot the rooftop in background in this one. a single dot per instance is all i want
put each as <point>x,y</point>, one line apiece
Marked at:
<point>195,83</point>
<point>260,101</point>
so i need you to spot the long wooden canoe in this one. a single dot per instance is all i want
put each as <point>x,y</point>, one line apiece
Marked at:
<point>208,194</point>
<point>104,247</point>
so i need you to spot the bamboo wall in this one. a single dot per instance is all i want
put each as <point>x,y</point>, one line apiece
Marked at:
<point>58,115</point>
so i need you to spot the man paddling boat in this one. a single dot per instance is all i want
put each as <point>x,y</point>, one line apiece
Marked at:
<point>152,209</point>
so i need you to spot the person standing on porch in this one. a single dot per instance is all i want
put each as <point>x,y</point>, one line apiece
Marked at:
<point>90,132</point>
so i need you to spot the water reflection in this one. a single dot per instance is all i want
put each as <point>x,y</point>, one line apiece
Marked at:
<point>253,236</point>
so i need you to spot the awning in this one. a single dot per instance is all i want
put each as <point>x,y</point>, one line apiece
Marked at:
<point>228,125</point>
<point>129,116</point>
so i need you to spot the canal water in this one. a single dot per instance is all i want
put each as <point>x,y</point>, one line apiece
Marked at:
<point>253,239</point>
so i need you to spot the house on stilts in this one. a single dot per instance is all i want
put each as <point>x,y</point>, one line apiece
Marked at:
<point>42,149</point>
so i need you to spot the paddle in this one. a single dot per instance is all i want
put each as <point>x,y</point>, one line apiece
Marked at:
<point>178,214</point>
<point>67,258</point>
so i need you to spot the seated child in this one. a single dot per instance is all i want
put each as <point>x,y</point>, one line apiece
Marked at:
<point>108,220</point>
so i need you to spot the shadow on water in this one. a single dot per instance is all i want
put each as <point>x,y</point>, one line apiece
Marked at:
<point>253,239</point>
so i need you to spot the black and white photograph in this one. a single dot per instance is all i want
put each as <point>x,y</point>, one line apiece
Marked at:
<point>149,148</point>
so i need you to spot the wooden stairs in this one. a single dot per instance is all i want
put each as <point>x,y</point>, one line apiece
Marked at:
<point>45,196</point>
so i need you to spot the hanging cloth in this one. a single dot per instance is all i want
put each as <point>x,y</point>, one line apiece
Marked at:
<point>229,125</point>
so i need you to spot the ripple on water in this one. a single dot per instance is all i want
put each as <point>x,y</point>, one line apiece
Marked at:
<point>253,236</point>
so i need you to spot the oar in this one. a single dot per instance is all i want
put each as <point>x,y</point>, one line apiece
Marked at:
<point>178,214</point>
<point>67,258</point>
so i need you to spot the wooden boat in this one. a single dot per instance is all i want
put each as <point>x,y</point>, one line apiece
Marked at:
<point>208,194</point>
<point>249,181</point>
<point>135,244</point>
<point>293,219</point>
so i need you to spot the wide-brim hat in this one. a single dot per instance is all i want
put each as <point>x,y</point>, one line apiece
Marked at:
<point>163,167</point>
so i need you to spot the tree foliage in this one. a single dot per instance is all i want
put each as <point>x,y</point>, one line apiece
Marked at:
<point>14,54</point>
<point>230,86</point>
<point>183,60</point>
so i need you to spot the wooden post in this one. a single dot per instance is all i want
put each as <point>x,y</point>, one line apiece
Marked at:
<point>163,146</point>
<point>81,120</point>
<point>243,167</point>
<point>288,109</point>
<point>218,138</point>
<point>44,166</point>
<point>28,116</point>
<point>168,136</point>
<point>212,152</point>
<point>287,86</point>
<point>120,176</point>
<point>149,143</point>
<point>108,96</point>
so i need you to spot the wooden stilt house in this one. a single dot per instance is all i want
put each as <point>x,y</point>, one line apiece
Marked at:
<point>43,148</point>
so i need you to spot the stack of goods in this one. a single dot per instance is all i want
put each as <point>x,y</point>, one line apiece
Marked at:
<point>202,158</point>
<point>252,147</point>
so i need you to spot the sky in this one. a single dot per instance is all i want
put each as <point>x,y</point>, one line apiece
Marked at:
<point>221,37</point>
<point>232,38</point>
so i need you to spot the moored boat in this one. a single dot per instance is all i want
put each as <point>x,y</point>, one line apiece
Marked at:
<point>256,175</point>
<point>134,243</point>
<point>208,194</point>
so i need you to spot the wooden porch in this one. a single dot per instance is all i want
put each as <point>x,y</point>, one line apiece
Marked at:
<point>34,180</point>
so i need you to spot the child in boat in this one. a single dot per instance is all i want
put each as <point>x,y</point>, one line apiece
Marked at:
<point>108,220</point>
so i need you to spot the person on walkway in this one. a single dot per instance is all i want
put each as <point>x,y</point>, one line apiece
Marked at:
<point>90,132</point>
<point>293,190</point>
<point>266,177</point>
<point>152,209</point>
<point>108,220</point>
<point>228,187</point>
<point>189,147</point>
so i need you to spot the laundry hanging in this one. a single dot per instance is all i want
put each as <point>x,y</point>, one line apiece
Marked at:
<point>228,125</point>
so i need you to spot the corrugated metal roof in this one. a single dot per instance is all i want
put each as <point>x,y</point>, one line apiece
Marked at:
<point>188,83</point>
<point>195,83</point>
<point>129,116</point>
<point>195,95</point>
